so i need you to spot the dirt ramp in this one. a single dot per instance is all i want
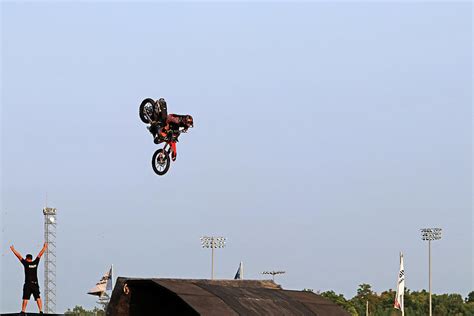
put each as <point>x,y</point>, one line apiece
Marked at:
<point>133,297</point>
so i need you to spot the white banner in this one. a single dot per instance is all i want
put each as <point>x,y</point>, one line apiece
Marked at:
<point>105,284</point>
<point>399,297</point>
<point>240,272</point>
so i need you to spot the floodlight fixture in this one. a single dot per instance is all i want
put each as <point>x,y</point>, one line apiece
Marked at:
<point>49,211</point>
<point>431,233</point>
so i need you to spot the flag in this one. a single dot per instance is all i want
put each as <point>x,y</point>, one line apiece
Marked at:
<point>400,287</point>
<point>240,272</point>
<point>105,284</point>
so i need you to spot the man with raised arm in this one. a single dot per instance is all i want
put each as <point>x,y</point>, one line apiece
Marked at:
<point>31,285</point>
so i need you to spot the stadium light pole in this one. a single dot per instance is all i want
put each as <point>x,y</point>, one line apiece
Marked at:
<point>430,234</point>
<point>213,243</point>
<point>273,273</point>
<point>50,225</point>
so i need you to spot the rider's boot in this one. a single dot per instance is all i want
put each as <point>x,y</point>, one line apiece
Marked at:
<point>153,129</point>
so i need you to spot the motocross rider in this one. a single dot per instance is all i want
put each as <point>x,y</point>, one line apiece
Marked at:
<point>168,123</point>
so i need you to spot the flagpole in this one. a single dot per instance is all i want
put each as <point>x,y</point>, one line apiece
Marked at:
<point>403,304</point>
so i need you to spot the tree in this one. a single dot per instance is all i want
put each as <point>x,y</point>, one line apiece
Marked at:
<point>470,297</point>
<point>341,301</point>
<point>416,303</point>
<point>448,304</point>
<point>364,295</point>
<point>80,311</point>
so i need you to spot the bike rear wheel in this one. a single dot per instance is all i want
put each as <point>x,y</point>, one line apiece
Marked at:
<point>161,162</point>
<point>147,110</point>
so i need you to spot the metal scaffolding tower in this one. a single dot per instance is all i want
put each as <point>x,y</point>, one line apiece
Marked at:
<point>50,224</point>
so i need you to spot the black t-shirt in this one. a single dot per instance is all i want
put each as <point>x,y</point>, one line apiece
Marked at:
<point>31,269</point>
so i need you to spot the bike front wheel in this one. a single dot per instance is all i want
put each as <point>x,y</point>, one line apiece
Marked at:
<point>160,162</point>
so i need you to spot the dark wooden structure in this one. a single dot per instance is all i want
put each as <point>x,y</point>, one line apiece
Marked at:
<point>132,297</point>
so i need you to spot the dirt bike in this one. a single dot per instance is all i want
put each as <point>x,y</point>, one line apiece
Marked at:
<point>149,113</point>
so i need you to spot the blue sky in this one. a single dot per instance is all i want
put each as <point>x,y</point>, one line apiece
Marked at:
<point>326,135</point>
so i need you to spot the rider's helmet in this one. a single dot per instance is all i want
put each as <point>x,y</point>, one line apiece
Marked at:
<point>189,121</point>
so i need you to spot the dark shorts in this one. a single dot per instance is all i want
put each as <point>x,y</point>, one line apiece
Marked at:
<point>31,288</point>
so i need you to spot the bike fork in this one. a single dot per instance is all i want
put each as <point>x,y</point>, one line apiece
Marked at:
<point>166,148</point>
<point>170,148</point>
